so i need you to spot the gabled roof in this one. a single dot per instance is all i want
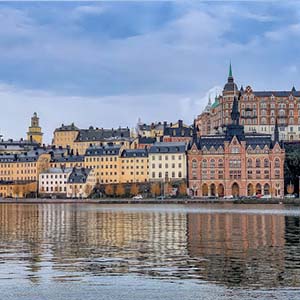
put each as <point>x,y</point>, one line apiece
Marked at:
<point>79,175</point>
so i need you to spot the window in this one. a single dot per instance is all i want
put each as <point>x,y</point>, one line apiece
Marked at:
<point>220,163</point>
<point>212,163</point>
<point>266,163</point>
<point>204,163</point>
<point>249,163</point>
<point>194,164</point>
<point>277,163</point>
<point>257,163</point>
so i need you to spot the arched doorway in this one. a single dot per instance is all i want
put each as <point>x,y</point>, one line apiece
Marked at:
<point>235,190</point>
<point>221,190</point>
<point>213,189</point>
<point>250,189</point>
<point>258,189</point>
<point>204,190</point>
<point>266,189</point>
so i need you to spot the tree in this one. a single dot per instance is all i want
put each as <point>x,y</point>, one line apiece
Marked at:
<point>109,190</point>
<point>155,189</point>
<point>16,190</point>
<point>182,189</point>
<point>120,190</point>
<point>134,190</point>
<point>88,189</point>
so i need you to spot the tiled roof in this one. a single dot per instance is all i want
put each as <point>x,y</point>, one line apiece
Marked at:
<point>68,158</point>
<point>168,148</point>
<point>99,134</point>
<point>104,150</point>
<point>134,153</point>
<point>70,127</point>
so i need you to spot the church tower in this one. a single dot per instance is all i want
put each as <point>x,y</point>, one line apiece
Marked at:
<point>34,133</point>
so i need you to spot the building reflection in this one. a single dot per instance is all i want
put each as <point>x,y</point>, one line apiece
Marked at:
<point>62,241</point>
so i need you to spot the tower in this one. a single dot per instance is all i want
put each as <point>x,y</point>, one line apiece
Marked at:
<point>34,133</point>
<point>230,88</point>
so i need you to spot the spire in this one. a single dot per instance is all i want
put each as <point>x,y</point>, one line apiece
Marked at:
<point>276,132</point>
<point>195,131</point>
<point>209,100</point>
<point>235,115</point>
<point>230,70</point>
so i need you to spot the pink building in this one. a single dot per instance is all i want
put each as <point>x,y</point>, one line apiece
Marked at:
<point>236,163</point>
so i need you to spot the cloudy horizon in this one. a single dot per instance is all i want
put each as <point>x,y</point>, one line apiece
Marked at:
<point>107,64</point>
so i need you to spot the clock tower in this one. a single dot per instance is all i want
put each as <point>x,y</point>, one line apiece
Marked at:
<point>34,133</point>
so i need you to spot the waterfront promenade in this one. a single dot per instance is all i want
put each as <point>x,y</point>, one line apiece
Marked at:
<point>295,201</point>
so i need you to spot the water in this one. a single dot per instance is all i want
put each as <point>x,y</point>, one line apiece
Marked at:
<point>69,251</point>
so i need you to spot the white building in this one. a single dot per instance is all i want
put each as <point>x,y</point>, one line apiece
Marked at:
<point>53,182</point>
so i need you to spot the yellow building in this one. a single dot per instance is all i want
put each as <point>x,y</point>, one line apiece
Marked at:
<point>67,161</point>
<point>134,166</point>
<point>34,133</point>
<point>65,136</point>
<point>18,189</point>
<point>105,161</point>
<point>23,167</point>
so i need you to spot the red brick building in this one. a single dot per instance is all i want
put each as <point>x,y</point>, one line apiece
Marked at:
<point>236,163</point>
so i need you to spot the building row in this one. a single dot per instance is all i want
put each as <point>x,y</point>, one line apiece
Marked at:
<point>234,162</point>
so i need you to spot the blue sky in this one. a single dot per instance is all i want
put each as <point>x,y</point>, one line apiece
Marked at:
<point>108,63</point>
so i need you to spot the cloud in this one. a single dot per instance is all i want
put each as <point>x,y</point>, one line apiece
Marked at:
<point>87,10</point>
<point>106,111</point>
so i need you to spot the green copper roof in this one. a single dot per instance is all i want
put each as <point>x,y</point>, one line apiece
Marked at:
<point>216,103</point>
<point>230,70</point>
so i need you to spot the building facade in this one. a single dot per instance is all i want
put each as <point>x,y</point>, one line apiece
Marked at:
<point>258,111</point>
<point>168,162</point>
<point>236,163</point>
<point>53,182</point>
<point>81,183</point>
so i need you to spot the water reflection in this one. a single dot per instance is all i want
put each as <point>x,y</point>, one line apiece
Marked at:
<point>74,242</point>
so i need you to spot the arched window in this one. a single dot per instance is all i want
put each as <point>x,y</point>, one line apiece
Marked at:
<point>249,163</point>
<point>204,163</point>
<point>212,164</point>
<point>257,163</point>
<point>266,163</point>
<point>277,163</point>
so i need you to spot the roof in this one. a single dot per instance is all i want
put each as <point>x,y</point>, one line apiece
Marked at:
<point>91,134</point>
<point>163,147</point>
<point>68,158</point>
<point>70,127</point>
<point>134,153</point>
<point>146,140</point>
<point>57,170</point>
<point>179,130</point>
<point>103,150</point>
<point>275,93</point>
<point>79,175</point>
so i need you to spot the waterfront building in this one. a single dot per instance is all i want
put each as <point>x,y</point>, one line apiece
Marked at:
<point>133,166</point>
<point>259,111</point>
<point>81,183</point>
<point>167,161</point>
<point>235,162</point>
<point>53,182</point>
<point>18,189</point>
<point>105,160</point>
<point>34,133</point>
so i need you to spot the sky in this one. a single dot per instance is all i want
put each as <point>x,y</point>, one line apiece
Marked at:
<point>107,64</point>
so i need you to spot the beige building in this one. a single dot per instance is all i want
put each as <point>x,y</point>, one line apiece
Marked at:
<point>18,189</point>
<point>81,183</point>
<point>134,166</point>
<point>34,133</point>
<point>167,161</point>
